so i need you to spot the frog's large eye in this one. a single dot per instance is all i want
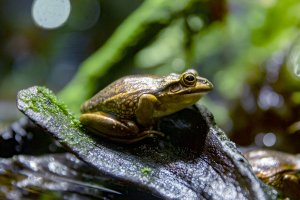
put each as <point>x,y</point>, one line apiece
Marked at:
<point>188,79</point>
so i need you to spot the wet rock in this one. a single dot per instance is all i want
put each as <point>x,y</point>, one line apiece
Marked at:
<point>278,169</point>
<point>194,161</point>
<point>24,138</point>
<point>54,176</point>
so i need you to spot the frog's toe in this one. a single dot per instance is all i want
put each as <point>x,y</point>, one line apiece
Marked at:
<point>153,133</point>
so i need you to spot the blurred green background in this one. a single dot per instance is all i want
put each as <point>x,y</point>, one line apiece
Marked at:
<point>249,50</point>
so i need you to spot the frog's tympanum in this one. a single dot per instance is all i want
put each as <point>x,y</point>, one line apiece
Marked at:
<point>126,110</point>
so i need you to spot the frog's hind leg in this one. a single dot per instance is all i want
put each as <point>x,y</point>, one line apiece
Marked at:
<point>105,124</point>
<point>108,126</point>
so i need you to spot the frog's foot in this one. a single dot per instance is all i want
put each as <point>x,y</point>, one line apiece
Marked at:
<point>153,133</point>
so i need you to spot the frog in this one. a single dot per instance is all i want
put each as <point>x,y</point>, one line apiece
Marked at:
<point>127,110</point>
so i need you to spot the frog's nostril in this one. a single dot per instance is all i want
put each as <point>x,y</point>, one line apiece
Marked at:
<point>204,81</point>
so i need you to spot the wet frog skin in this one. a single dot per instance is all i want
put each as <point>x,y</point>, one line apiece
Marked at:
<point>126,110</point>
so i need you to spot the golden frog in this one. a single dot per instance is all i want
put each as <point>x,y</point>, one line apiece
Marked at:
<point>126,110</point>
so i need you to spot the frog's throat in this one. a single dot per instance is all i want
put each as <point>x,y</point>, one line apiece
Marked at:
<point>171,104</point>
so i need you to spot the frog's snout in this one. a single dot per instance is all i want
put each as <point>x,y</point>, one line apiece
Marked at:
<point>209,84</point>
<point>206,84</point>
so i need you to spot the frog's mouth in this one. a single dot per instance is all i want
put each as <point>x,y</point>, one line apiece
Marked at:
<point>195,91</point>
<point>193,95</point>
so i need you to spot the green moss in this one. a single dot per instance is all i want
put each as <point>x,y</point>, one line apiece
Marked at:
<point>146,170</point>
<point>30,102</point>
<point>46,100</point>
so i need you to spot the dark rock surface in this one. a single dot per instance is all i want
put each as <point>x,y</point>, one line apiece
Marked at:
<point>194,161</point>
<point>53,176</point>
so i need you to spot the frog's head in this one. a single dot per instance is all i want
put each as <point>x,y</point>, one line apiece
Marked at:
<point>180,91</point>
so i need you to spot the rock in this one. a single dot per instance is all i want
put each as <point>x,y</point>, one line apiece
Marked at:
<point>52,176</point>
<point>278,169</point>
<point>194,161</point>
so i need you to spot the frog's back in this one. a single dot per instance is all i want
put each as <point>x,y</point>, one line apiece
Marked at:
<point>121,96</point>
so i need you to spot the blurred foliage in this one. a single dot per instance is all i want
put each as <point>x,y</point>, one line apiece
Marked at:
<point>248,49</point>
<point>134,33</point>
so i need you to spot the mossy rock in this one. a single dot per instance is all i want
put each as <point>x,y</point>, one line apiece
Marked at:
<point>194,161</point>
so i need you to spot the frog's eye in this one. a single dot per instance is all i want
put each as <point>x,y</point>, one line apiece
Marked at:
<point>188,79</point>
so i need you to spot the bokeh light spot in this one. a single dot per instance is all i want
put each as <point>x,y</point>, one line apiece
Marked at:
<point>268,98</point>
<point>269,139</point>
<point>195,22</point>
<point>50,14</point>
<point>178,64</point>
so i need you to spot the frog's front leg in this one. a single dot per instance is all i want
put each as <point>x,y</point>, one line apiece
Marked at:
<point>108,125</point>
<point>144,114</point>
<point>145,109</point>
